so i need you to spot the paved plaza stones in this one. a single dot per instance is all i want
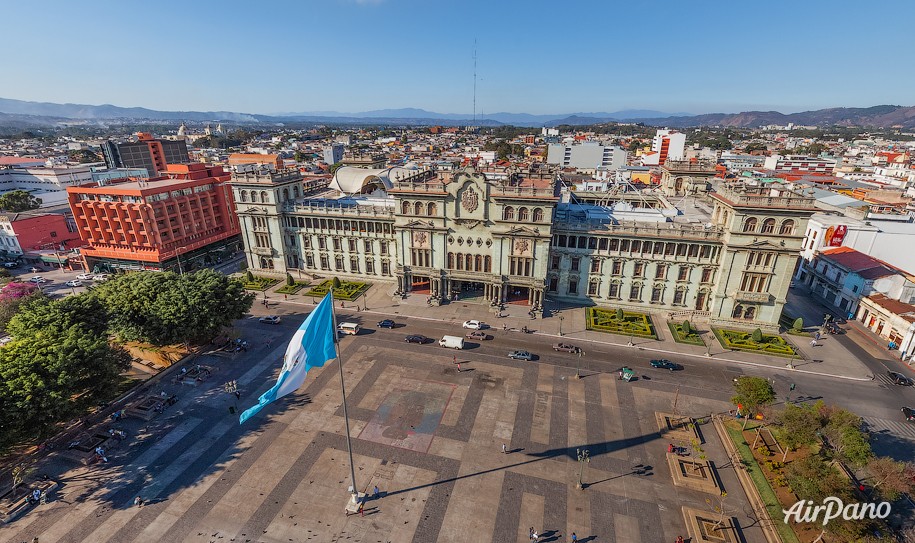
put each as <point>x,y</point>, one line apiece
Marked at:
<point>427,435</point>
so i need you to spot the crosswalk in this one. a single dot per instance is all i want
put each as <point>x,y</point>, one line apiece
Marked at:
<point>899,428</point>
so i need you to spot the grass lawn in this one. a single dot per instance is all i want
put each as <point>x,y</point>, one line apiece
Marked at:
<point>739,340</point>
<point>348,290</point>
<point>292,289</point>
<point>633,323</point>
<point>693,338</point>
<point>762,485</point>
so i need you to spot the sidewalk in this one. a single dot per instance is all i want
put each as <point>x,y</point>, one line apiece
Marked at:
<point>828,358</point>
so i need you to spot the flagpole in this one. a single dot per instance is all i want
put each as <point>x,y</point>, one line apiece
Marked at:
<point>354,500</point>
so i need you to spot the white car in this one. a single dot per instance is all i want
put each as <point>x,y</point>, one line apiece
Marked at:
<point>270,319</point>
<point>38,279</point>
<point>475,325</point>
<point>84,277</point>
<point>100,277</point>
<point>74,283</point>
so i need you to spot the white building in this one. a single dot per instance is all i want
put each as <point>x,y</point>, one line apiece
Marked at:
<point>670,144</point>
<point>48,184</point>
<point>798,163</point>
<point>586,156</point>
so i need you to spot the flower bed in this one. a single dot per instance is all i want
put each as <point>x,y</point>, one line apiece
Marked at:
<point>693,338</point>
<point>292,289</point>
<point>739,340</point>
<point>632,323</point>
<point>259,283</point>
<point>348,290</point>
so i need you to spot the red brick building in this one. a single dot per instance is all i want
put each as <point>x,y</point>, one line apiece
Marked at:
<point>178,221</point>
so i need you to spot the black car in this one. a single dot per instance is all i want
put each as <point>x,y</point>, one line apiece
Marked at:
<point>386,323</point>
<point>909,413</point>
<point>899,379</point>
<point>665,365</point>
<point>417,339</point>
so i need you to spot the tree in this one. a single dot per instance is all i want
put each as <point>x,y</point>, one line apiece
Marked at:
<point>289,280</point>
<point>299,156</point>
<point>84,156</point>
<point>751,393</point>
<point>799,425</point>
<point>842,431</point>
<point>334,167</point>
<point>798,324</point>
<point>686,328</point>
<point>634,146</point>
<point>249,277</point>
<point>167,308</point>
<point>757,336</point>
<point>335,283</point>
<point>19,200</point>
<point>813,479</point>
<point>619,314</point>
<point>890,478</point>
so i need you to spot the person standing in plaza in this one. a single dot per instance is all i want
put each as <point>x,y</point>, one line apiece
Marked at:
<point>375,492</point>
<point>574,538</point>
<point>504,449</point>
<point>459,367</point>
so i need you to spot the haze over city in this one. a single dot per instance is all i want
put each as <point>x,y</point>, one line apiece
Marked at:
<point>532,57</point>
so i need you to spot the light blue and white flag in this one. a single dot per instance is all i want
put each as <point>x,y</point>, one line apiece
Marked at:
<point>311,346</point>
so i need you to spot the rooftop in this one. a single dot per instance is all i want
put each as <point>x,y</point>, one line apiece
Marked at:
<point>864,265</point>
<point>904,310</point>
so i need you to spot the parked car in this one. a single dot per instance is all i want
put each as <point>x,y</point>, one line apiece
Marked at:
<point>665,365</point>
<point>521,355</point>
<point>417,339</point>
<point>10,265</point>
<point>899,379</point>
<point>909,413</point>
<point>38,279</point>
<point>74,283</point>
<point>270,319</point>
<point>475,325</point>
<point>565,347</point>
<point>478,335</point>
<point>84,277</point>
<point>386,323</point>
<point>101,277</point>
<point>451,342</point>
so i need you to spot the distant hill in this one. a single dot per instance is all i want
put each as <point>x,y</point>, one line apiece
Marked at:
<point>48,114</point>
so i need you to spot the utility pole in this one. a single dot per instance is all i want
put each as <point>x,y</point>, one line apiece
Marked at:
<point>583,456</point>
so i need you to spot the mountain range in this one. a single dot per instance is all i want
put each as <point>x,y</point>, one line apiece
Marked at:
<point>21,113</point>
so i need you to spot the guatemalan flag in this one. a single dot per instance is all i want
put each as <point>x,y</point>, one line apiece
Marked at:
<point>312,346</point>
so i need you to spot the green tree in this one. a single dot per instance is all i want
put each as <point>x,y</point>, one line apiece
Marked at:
<point>19,200</point>
<point>289,280</point>
<point>686,327</point>
<point>249,276</point>
<point>335,283</point>
<point>84,156</point>
<point>751,393</point>
<point>634,146</point>
<point>757,336</point>
<point>799,425</point>
<point>619,314</point>
<point>890,478</point>
<point>334,167</point>
<point>167,308</point>
<point>798,324</point>
<point>842,431</point>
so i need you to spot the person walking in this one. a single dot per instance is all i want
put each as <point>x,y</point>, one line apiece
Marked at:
<point>375,492</point>
<point>138,501</point>
<point>530,534</point>
<point>459,367</point>
<point>504,449</point>
<point>573,538</point>
<point>535,536</point>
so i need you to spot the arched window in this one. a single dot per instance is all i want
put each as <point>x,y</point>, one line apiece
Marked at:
<point>508,214</point>
<point>787,228</point>
<point>538,215</point>
<point>450,261</point>
<point>295,191</point>
<point>418,208</point>
<point>768,226</point>
<point>478,265</point>
<point>487,263</point>
<point>749,225</point>
<point>285,194</point>
<point>431,209</point>
<point>244,196</point>
<point>523,214</point>
<point>263,197</point>
<point>460,261</point>
<point>468,262</point>
<point>750,313</point>
<point>738,312</point>
<point>405,208</point>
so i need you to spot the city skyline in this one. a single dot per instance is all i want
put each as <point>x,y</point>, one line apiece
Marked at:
<point>359,55</point>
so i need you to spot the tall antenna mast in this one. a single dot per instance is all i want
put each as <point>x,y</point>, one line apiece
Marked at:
<point>474,82</point>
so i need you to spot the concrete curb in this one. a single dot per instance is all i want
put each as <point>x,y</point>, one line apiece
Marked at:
<point>759,508</point>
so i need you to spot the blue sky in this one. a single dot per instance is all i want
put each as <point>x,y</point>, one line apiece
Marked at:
<point>533,56</point>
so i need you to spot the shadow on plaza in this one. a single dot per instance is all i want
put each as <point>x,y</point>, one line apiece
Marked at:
<point>596,450</point>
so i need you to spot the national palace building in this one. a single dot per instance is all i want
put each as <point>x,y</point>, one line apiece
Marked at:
<point>725,254</point>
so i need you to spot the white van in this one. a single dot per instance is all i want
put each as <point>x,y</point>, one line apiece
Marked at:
<point>452,342</point>
<point>348,328</point>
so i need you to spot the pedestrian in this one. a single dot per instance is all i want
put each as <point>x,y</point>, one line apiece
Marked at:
<point>536,536</point>
<point>813,343</point>
<point>375,492</point>
<point>237,395</point>
<point>285,297</point>
<point>573,538</point>
<point>504,449</point>
<point>530,534</point>
<point>459,367</point>
<point>679,539</point>
<point>817,336</point>
<point>138,501</point>
<point>620,376</point>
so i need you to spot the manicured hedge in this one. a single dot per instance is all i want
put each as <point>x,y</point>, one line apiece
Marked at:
<point>287,289</point>
<point>259,283</point>
<point>632,323</point>
<point>676,328</point>
<point>348,290</point>
<point>739,340</point>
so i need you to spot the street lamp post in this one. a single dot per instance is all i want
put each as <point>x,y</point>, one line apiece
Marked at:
<point>560,325</point>
<point>578,367</point>
<point>583,456</point>
<point>178,256</point>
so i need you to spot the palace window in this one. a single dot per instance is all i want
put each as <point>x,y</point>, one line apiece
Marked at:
<point>638,269</point>
<point>352,245</point>
<point>385,268</point>
<point>595,266</point>
<point>370,266</point>
<point>613,291</point>
<point>787,228</point>
<point>660,271</point>
<point>354,264</point>
<point>635,292</point>
<point>592,288</point>
<point>768,226</point>
<point>325,263</point>
<point>656,294</point>
<point>523,214</point>
<point>508,214</point>
<point>576,262</point>
<point>617,268</point>
<point>683,274</point>
<point>573,286</point>
<point>749,225</point>
<point>554,262</point>
<point>431,209</point>
<point>754,282</point>
<point>707,275</point>
<point>337,244</point>
<point>538,215</point>
<point>678,296</point>
<point>338,263</point>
